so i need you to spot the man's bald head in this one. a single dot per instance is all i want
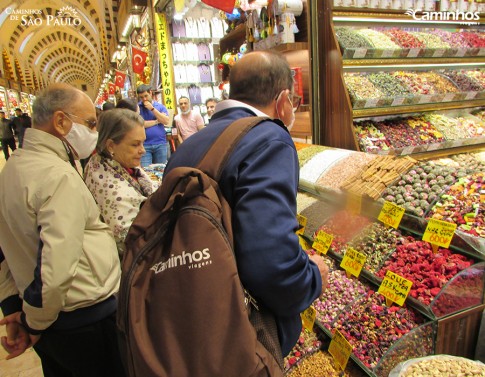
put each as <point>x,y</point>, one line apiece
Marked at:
<point>259,77</point>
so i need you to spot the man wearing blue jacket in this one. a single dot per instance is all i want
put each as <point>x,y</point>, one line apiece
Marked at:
<point>260,182</point>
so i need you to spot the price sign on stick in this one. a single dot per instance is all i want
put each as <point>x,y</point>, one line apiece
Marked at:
<point>340,349</point>
<point>308,318</point>
<point>439,233</point>
<point>395,288</point>
<point>353,262</point>
<point>302,220</point>
<point>322,242</point>
<point>391,214</point>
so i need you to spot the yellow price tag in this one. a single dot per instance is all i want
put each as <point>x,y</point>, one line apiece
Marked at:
<point>308,318</point>
<point>354,203</point>
<point>304,243</point>
<point>322,242</point>
<point>439,232</point>
<point>395,288</point>
<point>302,220</point>
<point>391,214</point>
<point>340,349</point>
<point>353,262</point>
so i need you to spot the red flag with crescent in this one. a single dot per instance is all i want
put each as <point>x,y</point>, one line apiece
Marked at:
<point>138,58</point>
<point>111,88</point>
<point>224,5</point>
<point>120,79</point>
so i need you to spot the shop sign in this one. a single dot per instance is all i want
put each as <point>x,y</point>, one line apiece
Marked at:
<point>166,64</point>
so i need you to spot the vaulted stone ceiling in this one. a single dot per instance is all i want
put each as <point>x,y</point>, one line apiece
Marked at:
<point>48,41</point>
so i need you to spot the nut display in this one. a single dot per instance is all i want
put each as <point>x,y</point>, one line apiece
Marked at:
<point>443,366</point>
<point>318,364</point>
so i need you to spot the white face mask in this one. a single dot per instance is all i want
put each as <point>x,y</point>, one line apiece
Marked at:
<point>82,139</point>
<point>292,122</point>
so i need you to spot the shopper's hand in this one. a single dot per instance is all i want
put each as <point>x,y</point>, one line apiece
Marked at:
<point>322,267</point>
<point>17,339</point>
<point>148,105</point>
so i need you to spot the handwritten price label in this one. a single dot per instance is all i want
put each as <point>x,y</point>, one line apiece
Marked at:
<point>308,318</point>
<point>322,242</point>
<point>353,262</point>
<point>395,288</point>
<point>439,232</point>
<point>302,220</point>
<point>340,349</point>
<point>391,214</point>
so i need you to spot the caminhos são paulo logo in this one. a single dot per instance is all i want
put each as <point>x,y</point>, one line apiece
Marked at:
<point>465,18</point>
<point>66,16</point>
<point>193,260</point>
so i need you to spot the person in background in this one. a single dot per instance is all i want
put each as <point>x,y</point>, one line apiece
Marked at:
<point>188,122</point>
<point>210,104</point>
<point>108,106</point>
<point>260,182</point>
<point>7,137</point>
<point>128,103</point>
<point>114,176</point>
<point>20,122</point>
<point>59,267</point>
<point>156,118</point>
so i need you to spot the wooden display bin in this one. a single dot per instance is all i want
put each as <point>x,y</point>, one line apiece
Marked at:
<point>457,334</point>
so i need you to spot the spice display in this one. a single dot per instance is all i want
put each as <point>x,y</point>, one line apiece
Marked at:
<point>318,364</point>
<point>463,82</point>
<point>474,39</point>
<point>370,138</point>
<point>316,214</point>
<point>306,154</point>
<point>430,40</point>
<point>376,242</point>
<point>442,366</point>
<point>372,328</point>
<point>404,39</point>
<point>461,204</point>
<point>348,38</point>
<point>449,127</point>
<point>333,177</point>
<point>321,162</point>
<point>416,83</point>
<point>343,226</point>
<point>378,39</point>
<point>454,39</point>
<point>439,83</point>
<point>377,175</point>
<point>307,344</point>
<point>420,186</point>
<point>341,291</point>
<point>477,74</point>
<point>360,88</point>
<point>428,271</point>
<point>388,84</point>
<point>303,201</point>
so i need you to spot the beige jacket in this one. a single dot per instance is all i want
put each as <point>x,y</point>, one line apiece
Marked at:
<point>59,255</point>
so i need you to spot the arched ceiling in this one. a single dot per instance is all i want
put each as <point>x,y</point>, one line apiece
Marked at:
<point>59,41</point>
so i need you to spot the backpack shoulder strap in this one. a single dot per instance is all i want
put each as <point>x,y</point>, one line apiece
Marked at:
<point>216,157</point>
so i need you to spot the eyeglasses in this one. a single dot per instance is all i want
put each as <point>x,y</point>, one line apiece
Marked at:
<point>91,123</point>
<point>295,101</point>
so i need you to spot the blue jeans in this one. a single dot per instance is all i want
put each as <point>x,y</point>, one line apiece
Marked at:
<point>155,154</point>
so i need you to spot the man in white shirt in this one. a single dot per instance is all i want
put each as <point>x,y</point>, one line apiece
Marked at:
<point>188,122</point>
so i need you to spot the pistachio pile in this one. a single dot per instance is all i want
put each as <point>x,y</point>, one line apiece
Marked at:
<point>444,366</point>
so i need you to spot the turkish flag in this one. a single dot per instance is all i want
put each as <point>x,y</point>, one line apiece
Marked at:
<point>111,88</point>
<point>105,95</point>
<point>120,79</point>
<point>224,5</point>
<point>138,58</point>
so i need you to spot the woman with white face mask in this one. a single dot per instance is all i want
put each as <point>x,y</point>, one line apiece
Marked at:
<point>114,176</point>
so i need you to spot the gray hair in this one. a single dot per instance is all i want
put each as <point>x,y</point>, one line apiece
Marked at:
<point>54,98</point>
<point>114,125</point>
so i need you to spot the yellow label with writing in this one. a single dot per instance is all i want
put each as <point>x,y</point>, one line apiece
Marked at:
<point>354,203</point>
<point>166,64</point>
<point>308,318</point>
<point>322,242</point>
<point>395,288</point>
<point>340,349</point>
<point>302,220</point>
<point>391,214</point>
<point>353,262</point>
<point>439,232</point>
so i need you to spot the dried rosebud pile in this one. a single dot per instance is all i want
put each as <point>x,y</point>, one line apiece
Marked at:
<point>428,271</point>
<point>376,241</point>
<point>341,291</point>
<point>454,39</point>
<point>372,328</point>
<point>476,40</point>
<point>307,344</point>
<point>461,205</point>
